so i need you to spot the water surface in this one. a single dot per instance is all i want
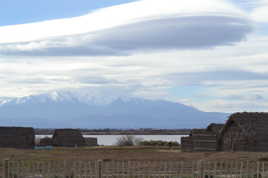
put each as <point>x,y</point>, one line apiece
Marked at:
<point>112,139</point>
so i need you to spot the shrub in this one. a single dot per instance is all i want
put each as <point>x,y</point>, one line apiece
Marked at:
<point>128,140</point>
<point>158,143</point>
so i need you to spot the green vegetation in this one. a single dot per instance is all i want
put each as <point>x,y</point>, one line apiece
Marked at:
<point>158,143</point>
<point>128,140</point>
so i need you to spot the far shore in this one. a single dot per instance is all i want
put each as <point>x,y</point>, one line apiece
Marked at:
<point>122,131</point>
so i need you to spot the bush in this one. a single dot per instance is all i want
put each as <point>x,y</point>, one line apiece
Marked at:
<point>128,140</point>
<point>158,143</point>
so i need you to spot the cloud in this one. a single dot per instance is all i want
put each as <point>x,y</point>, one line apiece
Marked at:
<point>209,79</point>
<point>260,11</point>
<point>222,91</point>
<point>96,80</point>
<point>236,96</point>
<point>260,14</point>
<point>120,30</point>
<point>200,78</point>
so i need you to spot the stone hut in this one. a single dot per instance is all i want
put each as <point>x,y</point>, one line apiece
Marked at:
<point>245,132</point>
<point>17,137</point>
<point>46,141</point>
<point>186,144</point>
<point>202,139</point>
<point>68,138</point>
<point>215,128</point>
<point>91,141</point>
<point>199,140</point>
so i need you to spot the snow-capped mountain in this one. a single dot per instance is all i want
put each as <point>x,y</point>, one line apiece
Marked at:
<point>71,109</point>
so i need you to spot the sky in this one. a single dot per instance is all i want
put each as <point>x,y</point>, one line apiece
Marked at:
<point>210,54</point>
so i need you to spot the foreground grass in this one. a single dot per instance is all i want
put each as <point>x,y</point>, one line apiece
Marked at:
<point>89,153</point>
<point>123,153</point>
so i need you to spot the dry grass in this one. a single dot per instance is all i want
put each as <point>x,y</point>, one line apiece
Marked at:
<point>123,153</point>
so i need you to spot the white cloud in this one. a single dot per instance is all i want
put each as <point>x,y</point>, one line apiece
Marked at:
<point>230,76</point>
<point>221,72</point>
<point>114,16</point>
<point>260,12</point>
<point>234,96</point>
<point>138,26</point>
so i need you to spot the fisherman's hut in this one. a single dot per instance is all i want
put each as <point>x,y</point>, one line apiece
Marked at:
<point>186,144</point>
<point>68,138</point>
<point>46,141</point>
<point>215,128</point>
<point>17,137</point>
<point>245,132</point>
<point>202,139</point>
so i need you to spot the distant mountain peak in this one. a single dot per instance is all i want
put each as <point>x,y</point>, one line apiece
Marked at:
<point>55,96</point>
<point>86,110</point>
<point>66,96</point>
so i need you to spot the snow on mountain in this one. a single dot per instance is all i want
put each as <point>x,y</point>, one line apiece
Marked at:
<point>4,100</point>
<point>88,110</point>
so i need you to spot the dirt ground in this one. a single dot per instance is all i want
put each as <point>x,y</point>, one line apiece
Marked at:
<point>124,153</point>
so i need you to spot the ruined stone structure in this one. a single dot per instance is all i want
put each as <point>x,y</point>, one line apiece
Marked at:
<point>90,141</point>
<point>186,144</point>
<point>199,140</point>
<point>242,132</point>
<point>68,138</point>
<point>202,139</point>
<point>215,128</point>
<point>17,137</point>
<point>245,132</point>
<point>45,141</point>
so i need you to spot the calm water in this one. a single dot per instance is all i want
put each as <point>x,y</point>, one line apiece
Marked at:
<point>111,139</point>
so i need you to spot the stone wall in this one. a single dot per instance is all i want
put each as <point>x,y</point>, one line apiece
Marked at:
<point>245,132</point>
<point>68,138</point>
<point>17,137</point>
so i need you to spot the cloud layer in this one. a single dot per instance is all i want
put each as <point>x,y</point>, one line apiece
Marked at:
<point>135,27</point>
<point>228,78</point>
<point>202,53</point>
<point>260,11</point>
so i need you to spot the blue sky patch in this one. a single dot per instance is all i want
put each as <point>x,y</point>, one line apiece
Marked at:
<point>20,12</point>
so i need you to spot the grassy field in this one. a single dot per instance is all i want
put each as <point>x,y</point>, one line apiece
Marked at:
<point>124,153</point>
<point>128,162</point>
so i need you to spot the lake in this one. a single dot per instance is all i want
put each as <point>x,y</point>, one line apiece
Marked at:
<point>111,139</point>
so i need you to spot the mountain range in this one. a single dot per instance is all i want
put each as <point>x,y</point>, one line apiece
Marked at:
<point>71,110</point>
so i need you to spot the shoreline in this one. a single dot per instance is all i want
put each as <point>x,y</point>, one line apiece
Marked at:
<point>122,132</point>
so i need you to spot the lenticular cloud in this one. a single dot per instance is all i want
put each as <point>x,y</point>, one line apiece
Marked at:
<point>147,25</point>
